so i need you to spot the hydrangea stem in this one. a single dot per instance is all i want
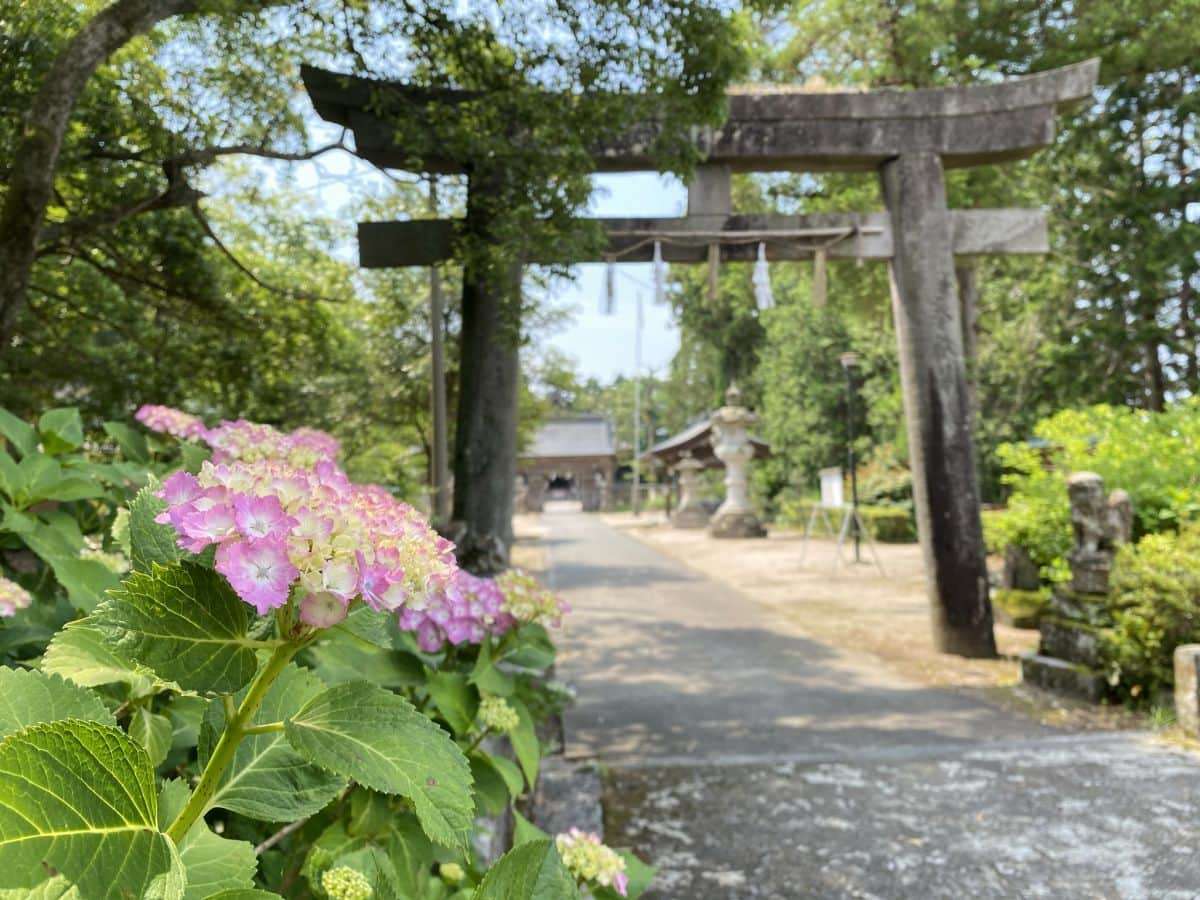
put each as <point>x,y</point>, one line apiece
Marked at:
<point>231,736</point>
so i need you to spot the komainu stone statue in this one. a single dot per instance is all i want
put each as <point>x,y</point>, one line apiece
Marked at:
<point>1102,523</point>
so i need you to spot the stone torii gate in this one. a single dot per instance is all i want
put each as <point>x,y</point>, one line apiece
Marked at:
<point>909,138</point>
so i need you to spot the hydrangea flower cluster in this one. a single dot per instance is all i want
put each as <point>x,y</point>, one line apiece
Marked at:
<point>277,528</point>
<point>497,715</point>
<point>171,421</point>
<point>587,858</point>
<point>525,600</point>
<point>250,441</point>
<point>12,597</point>
<point>345,883</point>
<point>460,609</point>
<point>243,440</point>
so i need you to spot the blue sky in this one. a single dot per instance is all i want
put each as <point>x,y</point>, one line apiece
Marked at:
<point>603,345</point>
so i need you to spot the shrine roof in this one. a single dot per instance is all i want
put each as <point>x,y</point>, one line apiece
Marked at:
<point>574,436</point>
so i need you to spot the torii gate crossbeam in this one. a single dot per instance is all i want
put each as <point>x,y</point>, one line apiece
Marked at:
<point>909,138</point>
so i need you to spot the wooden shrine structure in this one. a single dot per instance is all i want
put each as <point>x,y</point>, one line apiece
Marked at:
<point>909,138</point>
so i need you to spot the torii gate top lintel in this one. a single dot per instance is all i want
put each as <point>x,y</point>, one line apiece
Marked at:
<point>776,127</point>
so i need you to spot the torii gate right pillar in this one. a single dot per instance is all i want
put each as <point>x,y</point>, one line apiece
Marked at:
<point>937,403</point>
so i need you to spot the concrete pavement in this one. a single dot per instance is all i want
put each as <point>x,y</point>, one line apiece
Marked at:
<point>748,761</point>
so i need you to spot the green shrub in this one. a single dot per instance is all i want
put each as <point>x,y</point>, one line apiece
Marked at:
<point>1153,456</point>
<point>1023,609</point>
<point>890,524</point>
<point>1154,606</point>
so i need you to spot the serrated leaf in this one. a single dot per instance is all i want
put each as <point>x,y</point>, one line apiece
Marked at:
<point>487,676</point>
<point>341,656</point>
<point>455,699</point>
<point>184,622</point>
<point>79,797</point>
<point>525,743</point>
<point>511,774</point>
<point>19,433</point>
<point>28,697</point>
<point>491,792</point>
<point>267,779</point>
<point>533,648</point>
<point>377,738</point>
<point>80,654</point>
<point>212,863</point>
<point>532,871</point>
<point>132,442</point>
<point>525,831</point>
<point>153,732</point>
<point>61,429</point>
<point>149,541</point>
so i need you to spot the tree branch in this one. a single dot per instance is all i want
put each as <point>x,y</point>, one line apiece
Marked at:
<point>247,271</point>
<point>35,157</point>
<point>204,156</point>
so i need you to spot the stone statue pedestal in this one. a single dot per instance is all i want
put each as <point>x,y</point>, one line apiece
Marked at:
<point>735,518</point>
<point>691,513</point>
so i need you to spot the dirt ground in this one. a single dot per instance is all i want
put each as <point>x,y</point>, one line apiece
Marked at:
<point>859,608</point>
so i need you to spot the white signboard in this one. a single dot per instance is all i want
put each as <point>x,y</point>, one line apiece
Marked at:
<point>831,489</point>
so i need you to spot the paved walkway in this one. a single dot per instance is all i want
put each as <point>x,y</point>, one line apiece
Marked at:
<point>748,761</point>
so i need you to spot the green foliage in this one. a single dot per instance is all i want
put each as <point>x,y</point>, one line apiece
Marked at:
<point>87,806</point>
<point>1154,606</point>
<point>532,871</point>
<point>1022,609</point>
<point>185,623</point>
<point>213,864</point>
<point>149,541</point>
<point>381,741</point>
<point>1155,457</point>
<point>268,779</point>
<point>33,697</point>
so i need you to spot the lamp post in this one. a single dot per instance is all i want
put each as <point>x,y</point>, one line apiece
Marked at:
<point>849,361</point>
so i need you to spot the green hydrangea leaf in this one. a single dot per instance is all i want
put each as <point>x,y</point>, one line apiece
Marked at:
<point>377,738</point>
<point>243,894</point>
<point>132,442</point>
<point>150,542</point>
<point>80,654</point>
<point>28,697</point>
<point>57,888</point>
<point>185,623</point>
<point>79,798</point>
<point>153,732</point>
<point>532,871</point>
<point>213,863</point>
<point>455,699</point>
<point>525,743</point>
<point>525,831</point>
<point>18,432</point>
<point>268,780</point>
<point>343,656</point>
<point>61,429</point>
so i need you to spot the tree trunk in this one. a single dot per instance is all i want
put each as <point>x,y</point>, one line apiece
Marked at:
<point>36,157</point>
<point>485,449</point>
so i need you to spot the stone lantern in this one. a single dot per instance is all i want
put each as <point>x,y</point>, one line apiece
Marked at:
<point>691,512</point>
<point>735,517</point>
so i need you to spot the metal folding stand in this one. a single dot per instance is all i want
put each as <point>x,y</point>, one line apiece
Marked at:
<point>851,515</point>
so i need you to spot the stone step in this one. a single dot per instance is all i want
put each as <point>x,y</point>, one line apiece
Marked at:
<point>1063,677</point>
